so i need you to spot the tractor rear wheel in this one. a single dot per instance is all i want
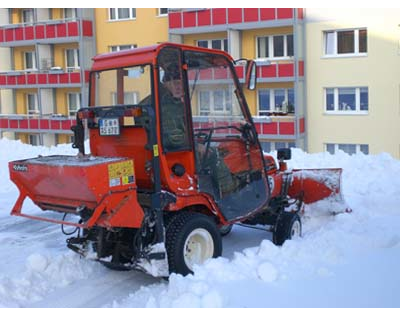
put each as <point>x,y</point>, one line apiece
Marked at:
<point>191,239</point>
<point>288,226</point>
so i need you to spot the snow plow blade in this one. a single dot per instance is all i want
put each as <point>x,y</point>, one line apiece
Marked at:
<point>101,190</point>
<point>317,185</point>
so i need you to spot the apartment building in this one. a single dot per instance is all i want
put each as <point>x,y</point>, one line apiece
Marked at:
<point>46,54</point>
<point>353,80</point>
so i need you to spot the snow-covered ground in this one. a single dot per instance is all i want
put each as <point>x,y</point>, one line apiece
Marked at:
<point>347,260</point>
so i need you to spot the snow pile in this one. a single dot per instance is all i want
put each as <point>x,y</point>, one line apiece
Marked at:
<point>347,260</point>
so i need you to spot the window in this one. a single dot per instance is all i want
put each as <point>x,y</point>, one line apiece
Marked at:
<point>215,102</point>
<point>346,100</point>
<point>27,16</point>
<point>271,146</point>
<point>32,104</point>
<point>30,60</point>
<point>34,139</point>
<point>163,11</point>
<point>117,48</point>
<point>129,98</point>
<point>346,42</point>
<point>122,14</point>
<point>350,149</point>
<point>275,46</point>
<point>74,103</point>
<point>275,100</point>
<point>70,13</point>
<point>221,44</point>
<point>72,59</point>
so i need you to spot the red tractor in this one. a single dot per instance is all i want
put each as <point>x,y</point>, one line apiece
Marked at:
<point>174,162</point>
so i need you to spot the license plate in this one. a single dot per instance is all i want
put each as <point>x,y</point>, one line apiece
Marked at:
<point>109,126</point>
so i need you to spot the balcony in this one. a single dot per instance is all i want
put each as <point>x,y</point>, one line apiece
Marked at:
<point>44,32</point>
<point>268,127</point>
<point>220,19</point>
<point>38,79</point>
<point>36,124</point>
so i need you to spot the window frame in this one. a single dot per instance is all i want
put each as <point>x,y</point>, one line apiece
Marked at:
<point>118,47</point>
<point>159,13</point>
<point>34,66</point>
<point>226,93</point>
<point>35,111</point>
<point>336,110</point>
<point>225,48</point>
<point>356,43</point>
<point>336,148</point>
<point>76,65</point>
<point>78,97</point>
<point>132,14</point>
<point>271,47</point>
<point>273,107</point>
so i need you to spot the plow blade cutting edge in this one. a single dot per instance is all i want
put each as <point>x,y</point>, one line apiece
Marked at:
<point>319,185</point>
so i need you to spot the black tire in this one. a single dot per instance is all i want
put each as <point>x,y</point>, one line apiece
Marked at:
<point>182,232</point>
<point>287,226</point>
<point>226,229</point>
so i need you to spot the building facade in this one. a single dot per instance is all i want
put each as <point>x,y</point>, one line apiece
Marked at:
<point>326,78</point>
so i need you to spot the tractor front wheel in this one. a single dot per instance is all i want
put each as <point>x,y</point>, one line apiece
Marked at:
<point>191,239</point>
<point>287,226</point>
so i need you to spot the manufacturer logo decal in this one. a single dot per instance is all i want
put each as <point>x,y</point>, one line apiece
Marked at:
<point>21,168</point>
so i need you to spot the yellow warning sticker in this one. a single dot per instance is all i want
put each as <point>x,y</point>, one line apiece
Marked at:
<point>121,171</point>
<point>155,150</point>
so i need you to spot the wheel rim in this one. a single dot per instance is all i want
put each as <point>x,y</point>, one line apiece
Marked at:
<point>296,230</point>
<point>198,247</point>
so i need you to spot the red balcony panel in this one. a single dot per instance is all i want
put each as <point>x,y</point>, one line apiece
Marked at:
<point>235,15</point>
<point>300,13</point>
<point>3,80</point>
<point>1,35</point>
<point>24,124</point>
<point>72,28</point>
<point>75,77</point>
<point>240,71</point>
<point>268,71</point>
<point>285,13</point>
<point>55,124</point>
<point>203,17</point>
<point>286,128</point>
<point>301,68</point>
<point>42,79</point>
<point>13,123</point>
<point>64,78</point>
<point>250,14</point>
<point>3,123</point>
<point>9,35</point>
<point>267,14</point>
<point>219,16</point>
<point>302,125</point>
<point>196,125</point>
<point>66,125</point>
<point>87,28</point>
<point>31,79</point>
<point>61,30</point>
<point>285,70</point>
<point>39,31</point>
<point>44,124</point>
<point>189,19</point>
<point>270,128</point>
<point>34,124</point>
<point>50,31</point>
<point>11,80</point>
<point>53,79</point>
<point>21,79</point>
<point>258,128</point>
<point>19,34</point>
<point>205,74</point>
<point>221,73</point>
<point>29,33</point>
<point>175,20</point>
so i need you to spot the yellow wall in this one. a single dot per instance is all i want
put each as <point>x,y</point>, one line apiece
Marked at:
<point>146,29</point>
<point>59,53</point>
<point>62,99</point>
<point>379,71</point>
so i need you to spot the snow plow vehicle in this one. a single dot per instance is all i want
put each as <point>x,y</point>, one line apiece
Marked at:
<point>174,162</point>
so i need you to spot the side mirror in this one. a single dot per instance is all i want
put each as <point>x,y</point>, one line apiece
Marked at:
<point>284,154</point>
<point>251,74</point>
